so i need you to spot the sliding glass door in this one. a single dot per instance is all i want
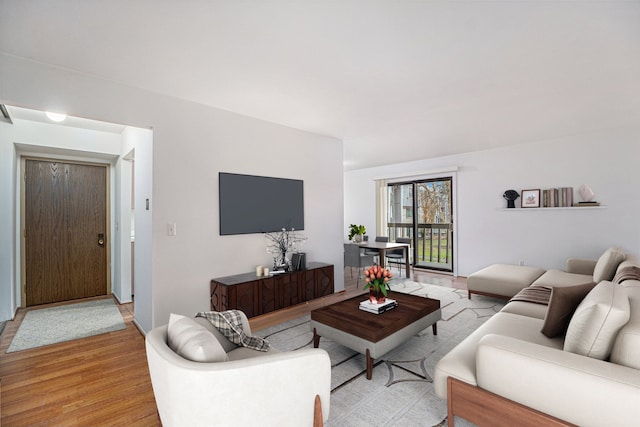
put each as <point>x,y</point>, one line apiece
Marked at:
<point>423,211</point>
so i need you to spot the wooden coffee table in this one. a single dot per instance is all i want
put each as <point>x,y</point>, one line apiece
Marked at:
<point>374,334</point>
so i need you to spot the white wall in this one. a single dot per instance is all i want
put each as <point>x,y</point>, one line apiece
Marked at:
<point>198,146</point>
<point>123,286</point>
<point>143,269</point>
<point>7,225</point>
<point>606,161</point>
<point>121,229</point>
<point>191,144</point>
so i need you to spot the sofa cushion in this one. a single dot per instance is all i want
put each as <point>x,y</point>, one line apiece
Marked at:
<point>192,341</point>
<point>460,362</point>
<point>241,353</point>
<point>562,305</point>
<point>627,345</point>
<point>607,264</point>
<point>559,278</point>
<point>597,320</point>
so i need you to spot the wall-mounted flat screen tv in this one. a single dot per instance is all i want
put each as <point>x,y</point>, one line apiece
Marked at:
<point>259,204</point>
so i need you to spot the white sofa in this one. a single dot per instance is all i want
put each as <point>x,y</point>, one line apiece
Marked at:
<point>244,387</point>
<point>508,371</point>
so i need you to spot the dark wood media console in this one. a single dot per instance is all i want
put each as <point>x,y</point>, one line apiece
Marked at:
<point>259,295</point>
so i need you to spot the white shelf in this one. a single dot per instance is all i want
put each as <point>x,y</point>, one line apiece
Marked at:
<point>566,208</point>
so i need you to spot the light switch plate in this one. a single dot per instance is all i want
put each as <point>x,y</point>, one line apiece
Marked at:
<point>171,229</point>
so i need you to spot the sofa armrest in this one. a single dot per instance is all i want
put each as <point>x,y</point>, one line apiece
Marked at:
<point>273,389</point>
<point>574,388</point>
<point>581,266</point>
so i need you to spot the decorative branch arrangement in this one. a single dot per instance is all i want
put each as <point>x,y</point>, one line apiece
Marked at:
<point>278,244</point>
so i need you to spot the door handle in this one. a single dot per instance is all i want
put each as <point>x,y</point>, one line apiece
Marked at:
<point>101,239</point>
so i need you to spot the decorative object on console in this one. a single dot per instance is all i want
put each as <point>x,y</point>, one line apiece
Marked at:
<point>530,198</point>
<point>377,281</point>
<point>511,196</point>
<point>299,261</point>
<point>278,244</point>
<point>356,232</point>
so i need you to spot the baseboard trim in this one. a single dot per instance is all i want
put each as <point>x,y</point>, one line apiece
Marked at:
<point>139,327</point>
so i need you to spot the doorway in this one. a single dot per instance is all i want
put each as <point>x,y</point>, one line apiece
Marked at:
<point>423,211</point>
<point>65,231</point>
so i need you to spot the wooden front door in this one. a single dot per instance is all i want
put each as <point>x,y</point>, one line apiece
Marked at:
<point>65,231</point>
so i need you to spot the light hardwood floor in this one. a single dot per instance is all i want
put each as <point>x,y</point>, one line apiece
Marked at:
<point>104,380</point>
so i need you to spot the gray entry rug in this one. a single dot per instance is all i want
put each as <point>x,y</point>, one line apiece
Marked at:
<point>65,323</point>
<point>401,390</point>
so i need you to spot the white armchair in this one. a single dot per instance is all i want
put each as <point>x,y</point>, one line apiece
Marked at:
<point>251,388</point>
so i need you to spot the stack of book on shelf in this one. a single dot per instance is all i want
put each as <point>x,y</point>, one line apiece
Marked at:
<point>557,197</point>
<point>374,308</point>
<point>591,203</point>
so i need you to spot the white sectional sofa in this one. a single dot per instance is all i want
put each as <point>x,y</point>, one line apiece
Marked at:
<point>508,372</point>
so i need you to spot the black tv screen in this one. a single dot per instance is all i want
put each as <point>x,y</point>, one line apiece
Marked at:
<point>259,204</point>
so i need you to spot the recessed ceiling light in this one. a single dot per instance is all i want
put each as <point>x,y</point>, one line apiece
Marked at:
<point>56,117</point>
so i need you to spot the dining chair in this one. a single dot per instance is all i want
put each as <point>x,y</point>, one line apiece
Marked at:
<point>353,257</point>
<point>397,255</point>
<point>375,252</point>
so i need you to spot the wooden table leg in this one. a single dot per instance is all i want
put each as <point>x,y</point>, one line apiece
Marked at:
<point>316,339</point>
<point>434,328</point>
<point>369,365</point>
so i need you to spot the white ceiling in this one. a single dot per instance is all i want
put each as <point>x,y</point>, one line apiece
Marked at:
<point>396,80</point>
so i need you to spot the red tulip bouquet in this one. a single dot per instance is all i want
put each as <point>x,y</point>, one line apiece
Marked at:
<point>377,281</point>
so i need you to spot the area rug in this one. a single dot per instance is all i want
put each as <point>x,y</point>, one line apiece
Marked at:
<point>65,323</point>
<point>401,390</point>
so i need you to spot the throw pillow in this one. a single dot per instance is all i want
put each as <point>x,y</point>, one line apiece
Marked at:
<point>192,341</point>
<point>597,320</point>
<point>562,304</point>
<point>607,264</point>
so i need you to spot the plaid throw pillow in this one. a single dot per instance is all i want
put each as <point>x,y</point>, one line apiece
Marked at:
<point>229,323</point>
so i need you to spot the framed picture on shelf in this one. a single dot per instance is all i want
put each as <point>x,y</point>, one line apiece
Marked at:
<point>530,198</point>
